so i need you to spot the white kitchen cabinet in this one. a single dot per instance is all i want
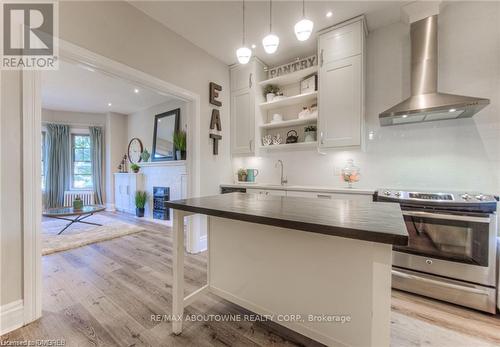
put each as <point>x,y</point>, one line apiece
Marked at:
<point>242,122</point>
<point>126,185</point>
<point>341,85</point>
<point>266,192</point>
<point>245,98</point>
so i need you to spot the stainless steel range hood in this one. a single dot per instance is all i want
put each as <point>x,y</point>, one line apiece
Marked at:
<point>426,103</point>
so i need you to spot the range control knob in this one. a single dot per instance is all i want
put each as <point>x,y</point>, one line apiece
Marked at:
<point>465,196</point>
<point>387,192</point>
<point>398,194</point>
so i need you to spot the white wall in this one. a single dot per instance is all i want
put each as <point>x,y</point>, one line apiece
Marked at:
<point>141,124</point>
<point>11,188</point>
<point>447,155</point>
<point>116,146</point>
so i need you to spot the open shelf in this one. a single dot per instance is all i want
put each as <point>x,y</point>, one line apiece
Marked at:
<point>297,145</point>
<point>290,78</point>
<point>290,100</point>
<point>289,123</point>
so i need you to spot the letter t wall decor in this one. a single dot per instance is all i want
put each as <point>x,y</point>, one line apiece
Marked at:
<point>215,122</point>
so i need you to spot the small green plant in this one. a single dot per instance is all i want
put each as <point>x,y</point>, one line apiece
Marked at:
<point>180,140</point>
<point>242,175</point>
<point>310,128</point>
<point>271,88</point>
<point>140,199</point>
<point>134,167</point>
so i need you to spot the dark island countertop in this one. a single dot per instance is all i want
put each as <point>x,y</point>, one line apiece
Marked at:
<point>362,220</point>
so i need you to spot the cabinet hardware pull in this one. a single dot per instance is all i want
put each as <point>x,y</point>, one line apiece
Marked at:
<point>321,137</point>
<point>250,144</point>
<point>322,196</point>
<point>250,80</point>
<point>321,58</point>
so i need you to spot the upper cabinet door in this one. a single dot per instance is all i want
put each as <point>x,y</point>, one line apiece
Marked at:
<point>341,43</point>
<point>242,121</point>
<point>340,103</point>
<point>242,77</point>
<point>341,84</point>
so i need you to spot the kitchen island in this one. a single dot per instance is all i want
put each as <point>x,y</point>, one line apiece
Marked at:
<point>321,268</point>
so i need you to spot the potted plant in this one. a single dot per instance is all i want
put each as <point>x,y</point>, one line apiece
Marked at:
<point>310,133</point>
<point>135,168</point>
<point>270,91</point>
<point>140,201</point>
<point>180,145</point>
<point>242,175</point>
<point>145,155</point>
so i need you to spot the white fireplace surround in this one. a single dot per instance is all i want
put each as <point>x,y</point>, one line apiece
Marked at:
<point>171,174</point>
<point>164,174</point>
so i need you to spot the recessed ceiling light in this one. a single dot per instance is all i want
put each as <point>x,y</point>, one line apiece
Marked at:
<point>404,116</point>
<point>136,90</point>
<point>254,46</point>
<point>329,14</point>
<point>452,110</point>
<point>110,104</point>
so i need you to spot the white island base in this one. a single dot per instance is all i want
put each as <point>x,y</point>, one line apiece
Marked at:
<point>276,271</point>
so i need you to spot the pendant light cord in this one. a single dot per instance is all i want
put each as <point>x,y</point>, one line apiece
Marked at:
<point>243,22</point>
<point>303,8</point>
<point>270,16</point>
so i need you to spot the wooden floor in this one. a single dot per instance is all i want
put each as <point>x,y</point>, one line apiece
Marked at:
<point>106,293</point>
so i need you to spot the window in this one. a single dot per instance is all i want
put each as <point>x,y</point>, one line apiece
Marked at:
<point>81,163</point>
<point>43,160</point>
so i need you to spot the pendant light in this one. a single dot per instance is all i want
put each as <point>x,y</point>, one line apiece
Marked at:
<point>271,41</point>
<point>243,53</point>
<point>304,27</point>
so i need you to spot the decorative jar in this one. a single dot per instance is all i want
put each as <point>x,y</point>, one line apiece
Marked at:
<point>350,173</point>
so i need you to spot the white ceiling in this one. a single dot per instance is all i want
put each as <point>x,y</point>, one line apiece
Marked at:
<point>216,26</point>
<point>78,89</point>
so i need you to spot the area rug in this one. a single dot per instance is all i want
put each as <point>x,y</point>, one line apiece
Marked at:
<point>78,234</point>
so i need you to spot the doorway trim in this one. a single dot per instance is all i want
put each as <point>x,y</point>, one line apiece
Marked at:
<point>32,198</point>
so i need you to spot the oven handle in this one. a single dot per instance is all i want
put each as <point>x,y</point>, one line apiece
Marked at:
<point>439,283</point>
<point>446,216</point>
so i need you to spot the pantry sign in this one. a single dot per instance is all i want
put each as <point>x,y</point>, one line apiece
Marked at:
<point>296,65</point>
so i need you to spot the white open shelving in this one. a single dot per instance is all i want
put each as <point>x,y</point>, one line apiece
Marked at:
<point>291,77</point>
<point>289,83</point>
<point>297,145</point>
<point>289,123</point>
<point>290,100</point>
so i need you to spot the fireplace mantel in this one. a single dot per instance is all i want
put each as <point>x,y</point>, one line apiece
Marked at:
<point>162,163</point>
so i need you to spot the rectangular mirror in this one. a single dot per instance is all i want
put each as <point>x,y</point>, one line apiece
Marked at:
<point>166,124</point>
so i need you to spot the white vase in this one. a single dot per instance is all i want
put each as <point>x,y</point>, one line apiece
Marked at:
<point>310,136</point>
<point>269,97</point>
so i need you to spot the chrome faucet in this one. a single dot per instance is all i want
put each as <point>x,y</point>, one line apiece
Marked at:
<point>283,179</point>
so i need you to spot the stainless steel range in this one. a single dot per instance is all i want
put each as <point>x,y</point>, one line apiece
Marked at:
<point>452,253</point>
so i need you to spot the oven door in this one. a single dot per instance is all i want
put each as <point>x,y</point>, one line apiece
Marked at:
<point>456,246</point>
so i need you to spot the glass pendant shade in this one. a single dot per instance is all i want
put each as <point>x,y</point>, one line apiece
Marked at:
<point>303,29</point>
<point>271,43</point>
<point>243,54</point>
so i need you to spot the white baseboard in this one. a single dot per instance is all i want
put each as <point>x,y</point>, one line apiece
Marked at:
<point>11,316</point>
<point>110,207</point>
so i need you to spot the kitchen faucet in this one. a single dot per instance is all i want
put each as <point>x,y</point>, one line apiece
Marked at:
<point>283,179</point>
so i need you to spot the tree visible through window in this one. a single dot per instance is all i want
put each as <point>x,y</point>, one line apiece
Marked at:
<point>81,162</point>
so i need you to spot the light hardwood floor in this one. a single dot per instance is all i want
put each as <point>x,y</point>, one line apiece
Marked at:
<point>106,293</point>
